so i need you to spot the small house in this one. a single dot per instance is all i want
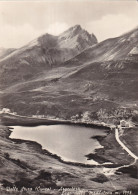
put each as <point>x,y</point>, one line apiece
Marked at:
<point>124,123</point>
<point>5,110</point>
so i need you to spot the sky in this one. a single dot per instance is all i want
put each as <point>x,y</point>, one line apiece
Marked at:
<point>23,21</point>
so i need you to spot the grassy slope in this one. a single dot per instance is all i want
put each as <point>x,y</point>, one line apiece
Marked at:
<point>64,94</point>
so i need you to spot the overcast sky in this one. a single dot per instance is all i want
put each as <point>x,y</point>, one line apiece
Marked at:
<point>22,21</point>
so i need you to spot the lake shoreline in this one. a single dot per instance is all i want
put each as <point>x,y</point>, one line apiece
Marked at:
<point>46,152</point>
<point>19,121</point>
<point>11,120</point>
<point>96,158</point>
<point>32,156</point>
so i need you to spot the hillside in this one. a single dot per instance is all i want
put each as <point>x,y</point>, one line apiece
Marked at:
<point>119,48</point>
<point>98,84</point>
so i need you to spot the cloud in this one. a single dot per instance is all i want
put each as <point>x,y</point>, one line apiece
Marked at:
<point>112,26</point>
<point>13,36</point>
<point>57,28</point>
<point>17,36</point>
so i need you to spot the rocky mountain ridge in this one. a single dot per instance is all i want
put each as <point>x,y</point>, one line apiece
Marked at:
<point>44,53</point>
<point>119,48</point>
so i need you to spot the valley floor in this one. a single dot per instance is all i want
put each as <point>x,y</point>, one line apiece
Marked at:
<point>25,164</point>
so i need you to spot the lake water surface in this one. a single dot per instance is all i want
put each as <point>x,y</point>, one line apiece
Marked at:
<point>69,142</point>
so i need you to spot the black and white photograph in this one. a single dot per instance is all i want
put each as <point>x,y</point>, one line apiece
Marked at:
<point>69,97</point>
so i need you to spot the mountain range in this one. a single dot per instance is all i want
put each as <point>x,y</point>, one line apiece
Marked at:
<point>44,53</point>
<point>72,76</point>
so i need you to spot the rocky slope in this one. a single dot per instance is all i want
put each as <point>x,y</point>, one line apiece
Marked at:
<point>119,48</point>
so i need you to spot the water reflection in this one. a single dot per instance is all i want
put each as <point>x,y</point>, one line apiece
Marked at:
<point>69,142</point>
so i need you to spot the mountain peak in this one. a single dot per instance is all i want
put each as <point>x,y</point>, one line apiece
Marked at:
<point>76,38</point>
<point>74,30</point>
<point>76,27</point>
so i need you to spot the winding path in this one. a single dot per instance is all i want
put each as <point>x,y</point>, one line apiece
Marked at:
<point>108,171</point>
<point>123,146</point>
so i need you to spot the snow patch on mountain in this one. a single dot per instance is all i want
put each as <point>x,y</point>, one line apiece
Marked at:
<point>134,51</point>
